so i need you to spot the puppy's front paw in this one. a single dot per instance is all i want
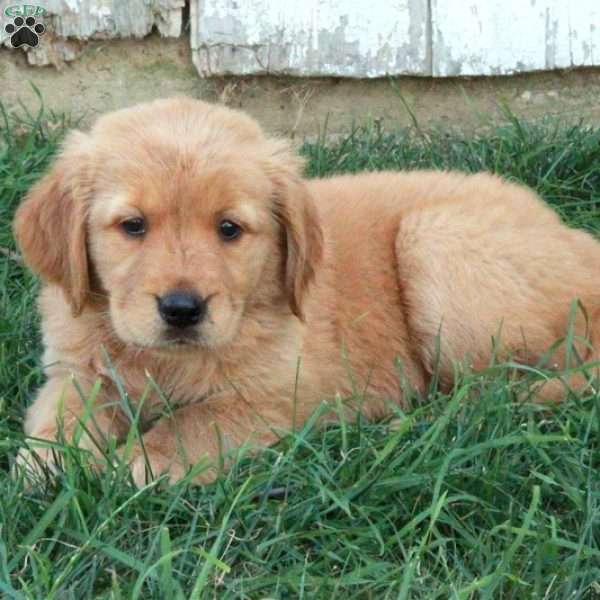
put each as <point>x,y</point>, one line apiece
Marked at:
<point>148,464</point>
<point>35,464</point>
<point>41,460</point>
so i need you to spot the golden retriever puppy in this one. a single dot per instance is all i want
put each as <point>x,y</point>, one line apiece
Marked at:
<point>178,244</point>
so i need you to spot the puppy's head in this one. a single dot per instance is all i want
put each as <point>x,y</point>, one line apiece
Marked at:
<point>181,216</point>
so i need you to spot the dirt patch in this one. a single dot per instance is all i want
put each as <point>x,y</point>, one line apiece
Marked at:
<point>113,74</point>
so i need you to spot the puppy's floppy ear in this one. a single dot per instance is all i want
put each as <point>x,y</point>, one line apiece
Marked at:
<point>303,237</point>
<point>50,225</point>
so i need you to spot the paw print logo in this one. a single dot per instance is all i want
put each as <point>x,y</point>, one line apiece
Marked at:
<point>24,32</point>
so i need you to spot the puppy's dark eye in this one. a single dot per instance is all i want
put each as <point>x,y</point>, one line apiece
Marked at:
<point>228,230</point>
<point>134,227</point>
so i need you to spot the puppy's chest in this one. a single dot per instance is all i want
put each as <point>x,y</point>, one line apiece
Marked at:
<point>155,386</point>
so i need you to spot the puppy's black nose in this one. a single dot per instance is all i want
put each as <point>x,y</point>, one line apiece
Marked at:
<point>181,309</point>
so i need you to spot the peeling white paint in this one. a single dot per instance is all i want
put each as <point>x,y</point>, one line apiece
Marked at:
<point>313,37</point>
<point>498,37</point>
<point>73,5</point>
<point>97,19</point>
<point>112,18</point>
<point>584,18</point>
<point>362,38</point>
<point>341,38</point>
<point>100,12</point>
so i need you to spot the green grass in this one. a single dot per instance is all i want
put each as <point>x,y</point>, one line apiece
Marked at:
<point>473,495</point>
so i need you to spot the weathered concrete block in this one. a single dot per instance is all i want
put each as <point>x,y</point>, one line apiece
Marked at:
<point>501,37</point>
<point>345,38</point>
<point>584,19</point>
<point>339,38</point>
<point>97,19</point>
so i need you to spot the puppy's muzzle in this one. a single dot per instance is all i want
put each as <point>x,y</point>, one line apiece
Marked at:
<point>181,309</point>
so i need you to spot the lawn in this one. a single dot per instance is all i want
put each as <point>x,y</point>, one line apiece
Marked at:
<point>471,495</point>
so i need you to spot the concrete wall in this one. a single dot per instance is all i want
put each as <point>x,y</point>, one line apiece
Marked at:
<point>499,37</point>
<point>340,38</point>
<point>374,38</point>
<point>343,38</point>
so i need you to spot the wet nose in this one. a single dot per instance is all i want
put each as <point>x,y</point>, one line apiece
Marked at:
<point>181,309</point>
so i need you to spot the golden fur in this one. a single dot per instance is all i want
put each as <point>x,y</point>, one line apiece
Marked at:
<point>331,281</point>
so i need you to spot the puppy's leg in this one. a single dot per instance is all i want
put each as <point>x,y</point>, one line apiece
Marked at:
<point>59,411</point>
<point>500,277</point>
<point>197,433</point>
<point>581,355</point>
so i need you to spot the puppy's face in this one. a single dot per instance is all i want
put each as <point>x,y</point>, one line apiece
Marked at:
<point>178,219</point>
<point>182,251</point>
